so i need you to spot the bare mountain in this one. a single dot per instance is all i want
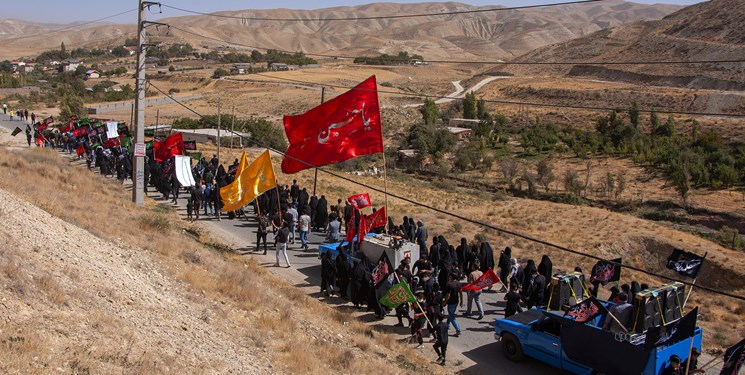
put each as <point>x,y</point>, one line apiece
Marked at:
<point>712,30</point>
<point>493,35</point>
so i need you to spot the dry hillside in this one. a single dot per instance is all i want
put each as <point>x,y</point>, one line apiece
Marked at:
<point>90,283</point>
<point>494,35</point>
<point>711,30</point>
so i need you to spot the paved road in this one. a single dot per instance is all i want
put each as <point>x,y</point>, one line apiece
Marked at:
<point>459,92</point>
<point>475,349</point>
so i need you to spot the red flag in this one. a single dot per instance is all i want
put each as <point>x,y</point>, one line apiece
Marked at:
<point>80,150</point>
<point>171,146</point>
<point>360,200</point>
<point>81,131</point>
<point>377,219</point>
<point>40,141</point>
<point>67,128</point>
<point>486,280</point>
<point>343,128</point>
<point>350,230</point>
<point>112,142</point>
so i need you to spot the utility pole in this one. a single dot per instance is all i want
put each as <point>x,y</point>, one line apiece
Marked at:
<point>219,103</point>
<point>138,190</point>
<point>315,176</point>
<point>232,129</point>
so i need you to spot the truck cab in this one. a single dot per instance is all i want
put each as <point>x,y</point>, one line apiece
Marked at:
<point>542,335</point>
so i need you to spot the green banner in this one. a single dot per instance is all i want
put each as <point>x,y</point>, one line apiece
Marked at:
<point>398,294</point>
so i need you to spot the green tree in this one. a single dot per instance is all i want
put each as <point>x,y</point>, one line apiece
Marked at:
<point>654,121</point>
<point>681,179</point>
<point>430,112</point>
<point>634,114</point>
<point>545,174</point>
<point>62,47</point>
<point>70,103</point>
<point>469,106</point>
<point>220,72</point>
<point>481,112</point>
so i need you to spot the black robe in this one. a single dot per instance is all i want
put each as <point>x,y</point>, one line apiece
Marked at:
<point>322,213</point>
<point>486,256</point>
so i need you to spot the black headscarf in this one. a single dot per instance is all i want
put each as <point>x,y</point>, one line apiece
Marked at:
<point>461,252</point>
<point>545,267</point>
<point>635,288</point>
<point>486,256</point>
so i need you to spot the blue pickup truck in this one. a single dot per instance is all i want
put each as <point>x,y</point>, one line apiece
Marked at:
<point>548,336</point>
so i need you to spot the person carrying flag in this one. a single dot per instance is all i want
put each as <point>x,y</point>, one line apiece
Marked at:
<point>474,295</point>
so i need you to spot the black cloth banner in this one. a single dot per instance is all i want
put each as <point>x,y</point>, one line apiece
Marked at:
<point>586,310</point>
<point>591,346</point>
<point>671,333</point>
<point>685,263</point>
<point>382,269</point>
<point>190,145</point>
<point>733,359</point>
<point>16,131</point>
<point>606,271</point>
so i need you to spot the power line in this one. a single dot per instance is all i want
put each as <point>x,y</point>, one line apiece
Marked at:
<point>508,102</point>
<point>473,221</point>
<point>481,62</point>
<point>69,27</point>
<point>395,16</point>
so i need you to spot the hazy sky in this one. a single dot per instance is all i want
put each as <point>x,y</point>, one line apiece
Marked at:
<point>56,11</point>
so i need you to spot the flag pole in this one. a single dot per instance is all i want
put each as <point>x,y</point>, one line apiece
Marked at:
<point>693,283</point>
<point>417,302</point>
<point>690,349</point>
<point>315,177</point>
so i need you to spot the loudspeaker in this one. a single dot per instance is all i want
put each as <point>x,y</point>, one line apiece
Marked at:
<point>566,290</point>
<point>674,296</point>
<point>646,310</point>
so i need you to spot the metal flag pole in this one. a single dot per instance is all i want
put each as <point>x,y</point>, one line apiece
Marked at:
<point>315,177</point>
<point>694,282</point>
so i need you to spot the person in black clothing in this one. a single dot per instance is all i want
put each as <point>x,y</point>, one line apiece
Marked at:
<point>420,265</point>
<point>505,264</point>
<point>674,368</point>
<point>328,274</point>
<point>420,311</point>
<point>441,340</point>
<point>361,278</point>
<point>343,272</point>
<point>528,272</point>
<point>635,288</point>
<point>513,301</point>
<point>294,190</point>
<point>537,290</point>
<point>452,299</point>
<point>348,212</point>
<point>260,232</point>
<point>461,253</point>
<point>545,268</point>
<point>486,257</point>
<point>322,214</point>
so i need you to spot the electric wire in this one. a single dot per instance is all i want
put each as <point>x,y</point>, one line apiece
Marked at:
<point>68,27</point>
<point>473,221</point>
<point>507,102</point>
<point>395,16</point>
<point>476,62</point>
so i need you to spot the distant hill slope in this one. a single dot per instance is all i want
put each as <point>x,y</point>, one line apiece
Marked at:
<point>494,35</point>
<point>713,30</point>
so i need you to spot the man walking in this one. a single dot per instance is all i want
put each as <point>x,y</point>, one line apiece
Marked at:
<point>304,227</point>
<point>452,299</point>
<point>282,236</point>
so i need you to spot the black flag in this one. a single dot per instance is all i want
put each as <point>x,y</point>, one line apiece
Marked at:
<point>685,263</point>
<point>676,331</point>
<point>190,145</point>
<point>16,131</point>
<point>586,310</point>
<point>382,269</point>
<point>605,271</point>
<point>733,359</point>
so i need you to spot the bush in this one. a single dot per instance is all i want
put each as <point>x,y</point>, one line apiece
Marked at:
<point>219,73</point>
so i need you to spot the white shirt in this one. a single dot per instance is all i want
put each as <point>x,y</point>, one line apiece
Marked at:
<point>293,212</point>
<point>304,223</point>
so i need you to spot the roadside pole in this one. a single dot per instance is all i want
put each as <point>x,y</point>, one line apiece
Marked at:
<point>138,190</point>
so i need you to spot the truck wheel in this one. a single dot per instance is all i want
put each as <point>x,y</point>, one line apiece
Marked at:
<point>511,348</point>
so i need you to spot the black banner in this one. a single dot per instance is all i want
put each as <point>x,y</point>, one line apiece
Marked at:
<point>733,359</point>
<point>673,332</point>
<point>606,271</point>
<point>685,263</point>
<point>586,310</point>
<point>382,269</point>
<point>599,349</point>
<point>16,131</point>
<point>190,145</point>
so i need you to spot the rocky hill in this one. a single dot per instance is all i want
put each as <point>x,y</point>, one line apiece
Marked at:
<point>712,30</point>
<point>493,35</point>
